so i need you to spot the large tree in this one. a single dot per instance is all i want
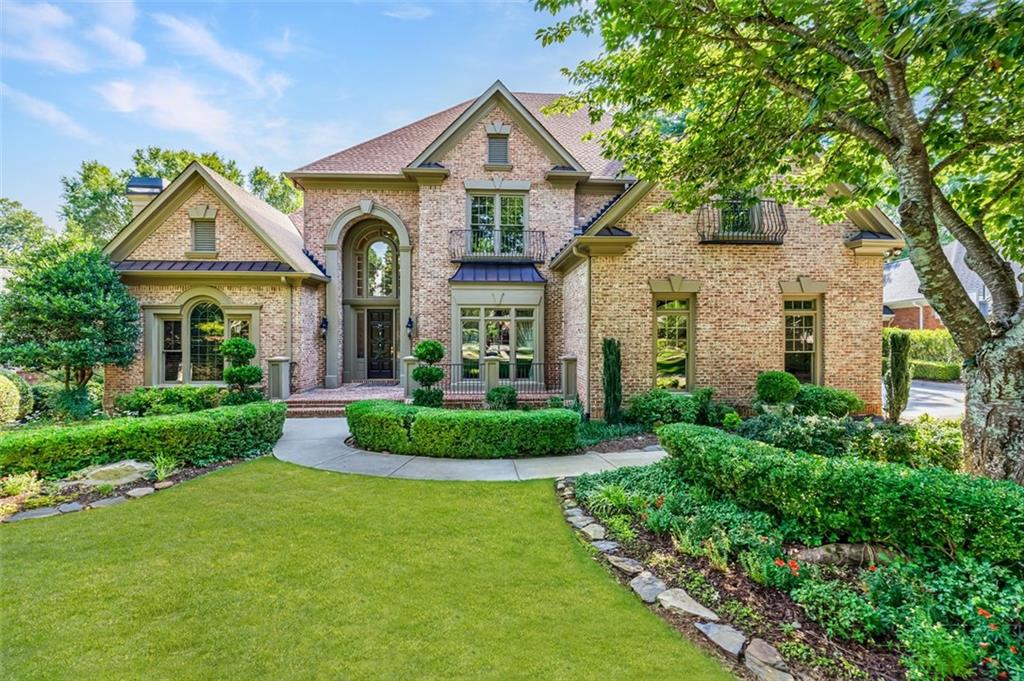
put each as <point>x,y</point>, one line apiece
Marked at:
<point>65,309</point>
<point>916,102</point>
<point>20,229</point>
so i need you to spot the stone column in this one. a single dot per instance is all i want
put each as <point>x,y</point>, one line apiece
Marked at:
<point>568,378</point>
<point>408,364</point>
<point>332,258</point>
<point>491,365</point>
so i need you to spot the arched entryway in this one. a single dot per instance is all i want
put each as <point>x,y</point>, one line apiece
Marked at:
<point>369,295</point>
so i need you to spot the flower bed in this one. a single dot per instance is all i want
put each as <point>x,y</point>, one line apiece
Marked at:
<point>458,433</point>
<point>198,438</point>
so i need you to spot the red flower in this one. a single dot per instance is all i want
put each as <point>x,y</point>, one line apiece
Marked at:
<point>987,660</point>
<point>992,627</point>
<point>872,568</point>
<point>659,502</point>
<point>1013,649</point>
<point>984,613</point>
<point>793,564</point>
<point>1002,676</point>
<point>983,644</point>
<point>780,562</point>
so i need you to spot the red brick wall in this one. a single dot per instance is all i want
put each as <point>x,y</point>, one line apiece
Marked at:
<point>911,317</point>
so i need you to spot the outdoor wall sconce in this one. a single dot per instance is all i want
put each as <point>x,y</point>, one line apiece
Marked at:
<point>408,328</point>
<point>323,327</point>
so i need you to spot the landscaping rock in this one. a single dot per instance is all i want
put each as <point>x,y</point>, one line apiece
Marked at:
<point>627,565</point>
<point>72,507</point>
<point>109,501</point>
<point>851,555</point>
<point>647,586</point>
<point>34,513</point>
<point>729,639</point>
<point>569,503</point>
<point>140,492</point>
<point>163,484</point>
<point>116,474</point>
<point>573,512</point>
<point>765,662</point>
<point>605,546</point>
<point>593,531</point>
<point>680,602</point>
<point>580,521</point>
<point>560,485</point>
<point>653,448</point>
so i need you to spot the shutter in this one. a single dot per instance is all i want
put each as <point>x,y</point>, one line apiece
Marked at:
<point>204,237</point>
<point>497,149</point>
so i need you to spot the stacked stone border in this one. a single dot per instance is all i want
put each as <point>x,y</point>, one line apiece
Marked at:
<point>759,659</point>
<point>75,507</point>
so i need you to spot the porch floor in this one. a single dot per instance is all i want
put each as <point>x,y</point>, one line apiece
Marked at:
<point>350,392</point>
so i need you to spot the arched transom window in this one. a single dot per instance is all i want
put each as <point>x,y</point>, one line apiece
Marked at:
<point>380,269</point>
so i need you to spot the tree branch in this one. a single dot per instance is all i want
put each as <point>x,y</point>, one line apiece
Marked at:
<point>947,97</point>
<point>1014,180</point>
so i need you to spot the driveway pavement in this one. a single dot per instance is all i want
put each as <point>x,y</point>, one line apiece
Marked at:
<point>941,400</point>
<point>320,443</point>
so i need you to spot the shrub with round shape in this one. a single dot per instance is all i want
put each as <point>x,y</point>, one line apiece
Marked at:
<point>26,400</point>
<point>777,387</point>
<point>429,351</point>
<point>502,398</point>
<point>427,375</point>
<point>10,400</point>
<point>238,351</point>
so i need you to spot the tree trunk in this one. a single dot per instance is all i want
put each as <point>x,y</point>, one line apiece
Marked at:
<point>994,420</point>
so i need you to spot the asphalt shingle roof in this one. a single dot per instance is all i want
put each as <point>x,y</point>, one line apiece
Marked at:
<point>901,283</point>
<point>392,151</point>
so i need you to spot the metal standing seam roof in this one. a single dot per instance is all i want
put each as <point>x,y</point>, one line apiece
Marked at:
<point>202,266</point>
<point>523,273</point>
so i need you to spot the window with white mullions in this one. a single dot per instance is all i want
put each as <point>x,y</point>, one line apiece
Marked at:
<point>802,332</point>
<point>506,333</point>
<point>497,224</point>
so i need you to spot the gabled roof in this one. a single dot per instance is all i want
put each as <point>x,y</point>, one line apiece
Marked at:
<point>390,153</point>
<point>901,284</point>
<point>270,225</point>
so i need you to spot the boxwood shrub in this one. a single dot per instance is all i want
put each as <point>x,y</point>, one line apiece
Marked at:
<point>934,371</point>
<point>25,399</point>
<point>462,433</point>
<point>198,438</point>
<point>822,500</point>
<point>822,400</point>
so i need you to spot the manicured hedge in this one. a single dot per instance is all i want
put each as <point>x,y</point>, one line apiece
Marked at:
<point>198,438</point>
<point>462,433</point>
<point>854,499</point>
<point>934,371</point>
<point>25,399</point>
<point>930,345</point>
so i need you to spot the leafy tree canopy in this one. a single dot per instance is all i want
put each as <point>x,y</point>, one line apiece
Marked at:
<point>66,309</point>
<point>94,204</point>
<point>20,229</point>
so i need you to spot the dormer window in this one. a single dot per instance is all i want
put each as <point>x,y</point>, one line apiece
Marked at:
<point>497,149</point>
<point>204,236</point>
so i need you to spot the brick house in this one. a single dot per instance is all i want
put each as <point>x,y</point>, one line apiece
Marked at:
<point>504,234</point>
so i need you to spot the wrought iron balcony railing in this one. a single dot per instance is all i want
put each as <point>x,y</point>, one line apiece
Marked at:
<point>741,222</point>
<point>496,244</point>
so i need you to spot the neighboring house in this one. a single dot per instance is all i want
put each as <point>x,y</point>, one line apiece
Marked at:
<point>904,305</point>
<point>502,233</point>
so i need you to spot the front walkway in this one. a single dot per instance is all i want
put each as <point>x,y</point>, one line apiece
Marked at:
<point>940,400</point>
<point>320,443</point>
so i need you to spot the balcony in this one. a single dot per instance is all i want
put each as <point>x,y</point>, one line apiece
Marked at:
<point>519,245</point>
<point>741,222</point>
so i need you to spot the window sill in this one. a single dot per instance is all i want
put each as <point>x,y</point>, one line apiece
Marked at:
<point>201,255</point>
<point>504,167</point>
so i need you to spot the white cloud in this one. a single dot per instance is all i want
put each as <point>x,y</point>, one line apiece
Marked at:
<point>191,37</point>
<point>168,101</point>
<point>120,16</point>
<point>281,47</point>
<point>409,12</point>
<point>31,33</point>
<point>46,112</point>
<point>124,49</point>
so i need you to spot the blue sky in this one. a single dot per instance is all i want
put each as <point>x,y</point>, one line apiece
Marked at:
<point>274,84</point>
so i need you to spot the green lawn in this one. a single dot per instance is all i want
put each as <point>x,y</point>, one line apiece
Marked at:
<point>268,570</point>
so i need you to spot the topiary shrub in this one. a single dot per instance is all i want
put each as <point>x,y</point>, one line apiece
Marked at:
<point>612,380</point>
<point>237,351</point>
<point>10,400</point>
<point>777,387</point>
<point>429,352</point>
<point>26,401</point>
<point>897,378</point>
<point>502,398</point>
<point>822,400</point>
<point>241,375</point>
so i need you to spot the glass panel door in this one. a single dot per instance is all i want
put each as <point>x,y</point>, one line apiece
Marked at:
<point>381,334</point>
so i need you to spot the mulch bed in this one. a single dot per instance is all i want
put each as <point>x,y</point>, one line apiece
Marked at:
<point>623,444</point>
<point>772,609</point>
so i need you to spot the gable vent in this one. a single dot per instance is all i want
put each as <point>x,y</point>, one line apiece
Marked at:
<point>204,236</point>
<point>497,149</point>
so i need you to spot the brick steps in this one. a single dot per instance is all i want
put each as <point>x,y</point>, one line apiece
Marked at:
<point>315,412</point>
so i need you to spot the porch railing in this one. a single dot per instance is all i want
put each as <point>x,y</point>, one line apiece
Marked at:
<point>528,378</point>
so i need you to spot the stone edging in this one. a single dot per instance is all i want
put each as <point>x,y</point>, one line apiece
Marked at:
<point>75,507</point>
<point>758,656</point>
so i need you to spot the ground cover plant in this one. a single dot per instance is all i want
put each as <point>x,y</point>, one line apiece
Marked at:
<point>462,433</point>
<point>435,583</point>
<point>198,438</point>
<point>939,616</point>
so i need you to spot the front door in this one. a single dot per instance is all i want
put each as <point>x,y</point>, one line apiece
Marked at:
<point>380,325</point>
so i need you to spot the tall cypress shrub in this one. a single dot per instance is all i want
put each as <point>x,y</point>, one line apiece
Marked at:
<point>897,378</point>
<point>612,380</point>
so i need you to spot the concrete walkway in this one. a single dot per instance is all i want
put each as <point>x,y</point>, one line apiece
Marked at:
<point>940,400</point>
<point>320,443</point>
